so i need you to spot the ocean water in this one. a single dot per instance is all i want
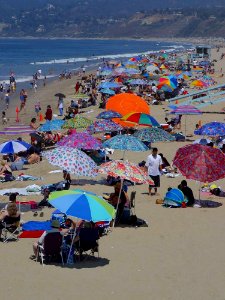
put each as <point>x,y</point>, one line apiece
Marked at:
<point>24,57</point>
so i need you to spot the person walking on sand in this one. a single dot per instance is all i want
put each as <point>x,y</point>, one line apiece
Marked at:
<point>7,99</point>
<point>154,168</point>
<point>60,107</point>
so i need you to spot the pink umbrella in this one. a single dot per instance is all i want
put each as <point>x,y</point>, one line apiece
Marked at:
<point>201,163</point>
<point>81,140</point>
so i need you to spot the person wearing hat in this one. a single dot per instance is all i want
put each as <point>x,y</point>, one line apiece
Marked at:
<point>55,225</point>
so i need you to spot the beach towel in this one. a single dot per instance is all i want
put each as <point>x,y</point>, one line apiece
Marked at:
<point>31,234</point>
<point>20,191</point>
<point>36,225</point>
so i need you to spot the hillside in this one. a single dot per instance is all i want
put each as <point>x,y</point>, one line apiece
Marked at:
<point>112,18</point>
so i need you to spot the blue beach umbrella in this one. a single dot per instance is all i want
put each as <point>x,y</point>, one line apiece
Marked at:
<point>108,85</point>
<point>211,129</point>
<point>14,147</point>
<point>52,125</point>
<point>109,114</point>
<point>83,205</point>
<point>107,91</point>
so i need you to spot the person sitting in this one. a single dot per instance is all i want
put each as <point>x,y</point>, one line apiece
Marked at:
<point>55,228</point>
<point>97,157</point>
<point>5,170</point>
<point>165,163</point>
<point>33,123</point>
<point>10,216</point>
<point>118,202</point>
<point>188,193</point>
<point>33,158</point>
<point>67,179</point>
<point>45,202</point>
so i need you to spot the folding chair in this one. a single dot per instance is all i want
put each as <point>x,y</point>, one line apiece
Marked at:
<point>51,248</point>
<point>88,242</point>
<point>11,228</point>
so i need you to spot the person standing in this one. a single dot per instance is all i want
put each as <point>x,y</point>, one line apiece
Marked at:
<point>154,168</point>
<point>60,107</point>
<point>48,114</point>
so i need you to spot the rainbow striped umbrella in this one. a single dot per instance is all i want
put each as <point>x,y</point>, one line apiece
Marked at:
<point>141,119</point>
<point>198,83</point>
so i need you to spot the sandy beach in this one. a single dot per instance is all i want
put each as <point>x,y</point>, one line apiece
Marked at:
<point>179,256</point>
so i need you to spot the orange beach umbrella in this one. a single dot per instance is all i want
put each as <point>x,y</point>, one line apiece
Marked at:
<point>125,103</point>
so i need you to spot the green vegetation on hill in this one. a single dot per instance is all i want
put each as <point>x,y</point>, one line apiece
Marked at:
<point>112,18</point>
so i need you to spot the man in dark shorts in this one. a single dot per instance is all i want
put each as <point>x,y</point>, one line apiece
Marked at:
<point>154,167</point>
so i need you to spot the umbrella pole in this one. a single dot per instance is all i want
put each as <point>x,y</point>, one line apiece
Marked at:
<point>185,123</point>
<point>117,205</point>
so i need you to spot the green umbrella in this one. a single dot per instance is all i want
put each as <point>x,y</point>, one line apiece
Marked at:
<point>77,122</point>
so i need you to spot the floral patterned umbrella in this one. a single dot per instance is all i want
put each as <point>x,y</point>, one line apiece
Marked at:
<point>109,114</point>
<point>104,126</point>
<point>200,163</point>
<point>153,135</point>
<point>126,143</point>
<point>211,129</point>
<point>82,140</point>
<point>125,170</point>
<point>72,160</point>
<point>52,125</point>
<point>77,122</point>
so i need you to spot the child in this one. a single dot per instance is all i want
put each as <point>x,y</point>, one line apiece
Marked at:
<point>4,119</point>
<point>37,107</point>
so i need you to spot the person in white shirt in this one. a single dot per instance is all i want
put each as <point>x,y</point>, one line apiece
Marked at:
<point>154,167</point>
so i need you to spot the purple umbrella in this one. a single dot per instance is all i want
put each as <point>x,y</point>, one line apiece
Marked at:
<point>82,140</point>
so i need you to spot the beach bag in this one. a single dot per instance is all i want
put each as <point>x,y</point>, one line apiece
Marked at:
<point>59,216</point>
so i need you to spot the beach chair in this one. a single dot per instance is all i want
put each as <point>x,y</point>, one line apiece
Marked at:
<point>51,248</point>
<point>88,243</point>
<point>11,228</point>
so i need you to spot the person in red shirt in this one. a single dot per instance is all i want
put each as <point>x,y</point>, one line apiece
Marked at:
<point>48,114</point>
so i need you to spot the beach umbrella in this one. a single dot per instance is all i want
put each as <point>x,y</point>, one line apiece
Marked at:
<point>72,160</point>
<point>125,103</point>
<point>77,122</point>
<point>80,140</point>
<point>108,114</point>
<point>51,125</point>
<point>198,83</point>
<point>126,143</point>
<point>60,95</point>
<point>174,197</point>
<point>11,147</point>
<point>170,81</point>
<point>107,91</point>
<point>104,126</point>
<point>141,119</point>
<point>202,141</point>
<point>186,110</point>
<point>83,205</point>
<point>201,163</point>
<point>211,129</point>
<point>108,85</point>
<point>138,82</point>
<point>125,170</point>
<point>153,135</point>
